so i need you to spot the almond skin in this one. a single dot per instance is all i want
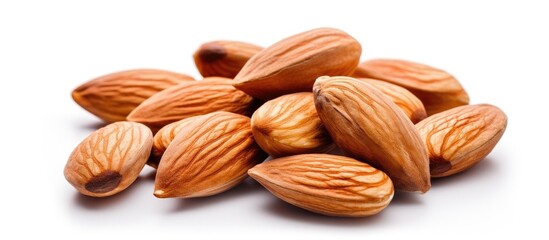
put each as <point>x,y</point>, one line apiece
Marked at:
<point>326,184</point>
<point>368,126</point>
<point>404,99</point>
<point>437,89</point>
<point>223,58</point>
<point>191,99</point>
<point>112,97</point>
<point>163,138</point>
<point>289,125</point>
<point>292,65</point>
<point>459,138</point>
<point>209,155</point>
<point>110,159</point>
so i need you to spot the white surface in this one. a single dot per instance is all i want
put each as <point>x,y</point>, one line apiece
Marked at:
<point>498,50</point>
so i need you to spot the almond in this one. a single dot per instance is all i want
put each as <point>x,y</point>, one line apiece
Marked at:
<point>368,126</point>
<point>223,58</point>
<point>404,99</point>
<point>326,184</point>
<point>459,138</point>
<point>292,65</point>
<point>110,159</point>
<point>112,97</point>
<point>437,89</point>
<point>164,137</point>
<point>191,99</point>
<point>211,154</point>
<point>289,125</point>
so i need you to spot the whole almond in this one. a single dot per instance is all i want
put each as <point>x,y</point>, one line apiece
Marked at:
<point>112,97</point>
<point>191,99</point>
<point>110,159</point>
<point>293,64</point>
<point>223,58</point>
<point>289,125</point>
<point>459,138</point>
<point>164,137</point>
<point>404,99</point>
<point>368,126</point>
<point>437,89</point>
<point>326,184</point>
<point>209,155</point>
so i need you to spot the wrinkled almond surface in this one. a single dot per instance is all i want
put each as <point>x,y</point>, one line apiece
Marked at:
<point>404,99</point>
<point>368,126</point>
<point>164,137</point>
<point>223,58</point>
<point>437,89</point>
<point>289,125</point>
<point>191,99</point>
<point>211,154</point>
<point>326,184</point>
<point>292,65</point>
<point>110,159</point>
<point>459,138</point>
<point>112,97</point>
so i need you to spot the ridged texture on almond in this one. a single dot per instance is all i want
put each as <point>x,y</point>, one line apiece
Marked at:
<point>223,58</point>
<point>164,137</point>
<point>191,99</point>
<point>289,125</point>
<point>293,64</point>
<point>110,159</point>
<point>459,138</point>
<point>326,184</point>
<point>208,156</point>
<point>404,99</point>
<point>112,97</point>
<point>370,127</point>
<point>437,89</point>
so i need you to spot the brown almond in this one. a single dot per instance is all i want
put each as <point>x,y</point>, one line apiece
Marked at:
<point>112,97</point>
<point>404,99</point>
<point>223,58</point>
<point>209,155</point>
<point>110,159</point>
<point>368,126</point>
<point>437,89</point>
<point>292,65</point>
<point>326,184</point>
<point>289,125</point>
<point>164,137</point>
<point>191,99</point>
<point>459,138</point>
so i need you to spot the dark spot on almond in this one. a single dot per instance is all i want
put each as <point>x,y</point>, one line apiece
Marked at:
<point>439,165</point>
<point>212,52</point>
<point>104,182</point>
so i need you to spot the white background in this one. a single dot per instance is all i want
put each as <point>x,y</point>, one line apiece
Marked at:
<point>498,50</point>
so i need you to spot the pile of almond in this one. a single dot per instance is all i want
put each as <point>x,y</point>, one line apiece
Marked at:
<point>398,124</point>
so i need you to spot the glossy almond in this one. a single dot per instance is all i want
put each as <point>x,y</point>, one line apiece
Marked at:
<point>437,89</point>
<point>112,97</point>
<point>368,126</point>
<point>208,156</point>
<point>292,65</point>
<point>223,58</point>
<point>289,125</point>
<point>326,184</point>
<point>461,137</point>
<point>191,99</point>
<point>164,137</point>
<point>110,159</point>
<point>404,99</point>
